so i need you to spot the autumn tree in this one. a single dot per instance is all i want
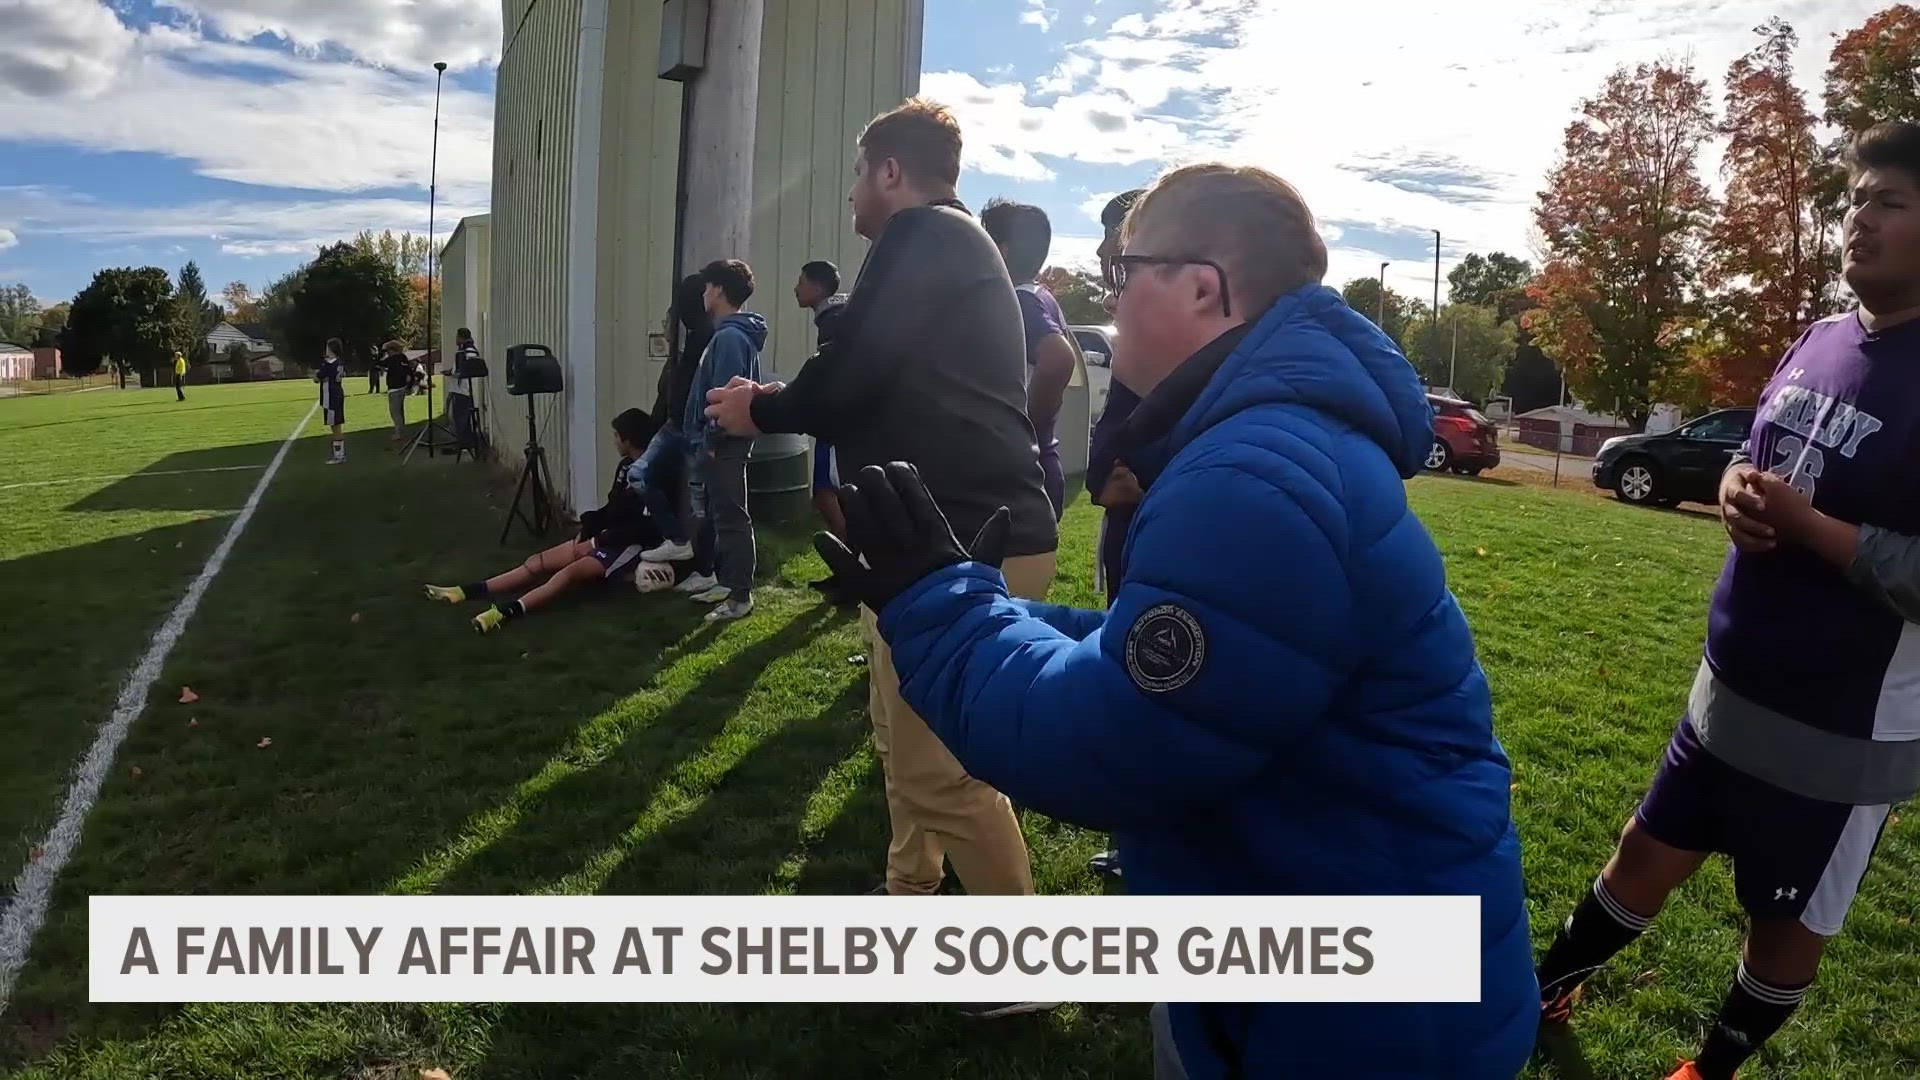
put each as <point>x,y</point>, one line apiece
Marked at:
<point>1622,217</point>
<point>242,305</point>
<point>1079,294</point>
<point>1773,251</point>
<point>1873,74</point>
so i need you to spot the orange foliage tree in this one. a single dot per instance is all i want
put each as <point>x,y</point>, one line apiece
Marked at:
<point>1772,253</point>
<point>1872,75</point>
<point>1622,217</point>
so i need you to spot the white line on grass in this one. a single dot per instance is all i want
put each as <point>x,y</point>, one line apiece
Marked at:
<point>130,476</point>
<point>21,919</point>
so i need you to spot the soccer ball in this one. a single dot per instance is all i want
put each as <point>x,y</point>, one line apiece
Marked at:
<point>653,577</point>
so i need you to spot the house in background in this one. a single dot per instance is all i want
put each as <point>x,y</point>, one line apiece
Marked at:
<point>47,363</point>
<point>252,335</point>
<point>1571,429</point>
<point>16,362</point>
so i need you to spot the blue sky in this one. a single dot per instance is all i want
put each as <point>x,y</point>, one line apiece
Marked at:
<point>243,133</point>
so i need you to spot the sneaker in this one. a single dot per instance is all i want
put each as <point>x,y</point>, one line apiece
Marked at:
<point>714,595</point>
<point>1106,864</point>
<point>336,461</point>
<point>728,610</point>
<point>1001,1010</point>
<point>447,594</point>
<point>696,583</point>
<point>671,551</point>
<point>653,577</point>
<point>489,620</point>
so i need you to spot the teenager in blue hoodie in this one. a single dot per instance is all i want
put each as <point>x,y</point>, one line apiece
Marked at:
<point>719,488</point>
<point>1283,698</point>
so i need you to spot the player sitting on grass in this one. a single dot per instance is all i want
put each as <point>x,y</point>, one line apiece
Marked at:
<point>607,549</point>
<point>1801,731</point>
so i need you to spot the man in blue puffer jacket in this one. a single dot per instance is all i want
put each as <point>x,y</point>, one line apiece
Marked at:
<point>1283,698</point>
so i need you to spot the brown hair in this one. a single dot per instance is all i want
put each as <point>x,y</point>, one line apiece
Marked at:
<point>921,135</point>
<point>1249,220</point>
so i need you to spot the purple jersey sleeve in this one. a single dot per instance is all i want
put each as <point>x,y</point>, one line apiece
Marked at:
<point>1040,315</point>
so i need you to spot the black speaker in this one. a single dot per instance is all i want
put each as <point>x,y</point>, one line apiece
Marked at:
<point>532,369</point>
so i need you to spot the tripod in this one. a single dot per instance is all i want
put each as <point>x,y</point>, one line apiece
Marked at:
<point>426,435</point>
<point>535,484</point>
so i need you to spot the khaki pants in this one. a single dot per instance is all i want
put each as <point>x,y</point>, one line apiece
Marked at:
<point>936,808</point>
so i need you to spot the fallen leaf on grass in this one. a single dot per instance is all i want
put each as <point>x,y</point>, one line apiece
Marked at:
<point>193,722</point>
<point>263,744</point>
<point>434,1074</point>
<point>1648,976</point>
<point>187,696</point>
<point>356,617</point>
<point>135,772</point>
<point>1482,552</point>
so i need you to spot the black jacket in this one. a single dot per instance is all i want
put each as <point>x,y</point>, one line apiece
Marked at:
<point>623,519</point>
<point>928,364</point>
<point>399,369</point>
<point>676,375</point>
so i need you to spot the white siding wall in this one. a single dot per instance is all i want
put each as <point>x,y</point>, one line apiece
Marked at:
<point>532,174</point>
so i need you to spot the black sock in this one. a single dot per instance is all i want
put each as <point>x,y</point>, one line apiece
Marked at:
<point>1753,1011</point>
<point>1597,929</point>
<point>513,609</point>
<point>475,591</point>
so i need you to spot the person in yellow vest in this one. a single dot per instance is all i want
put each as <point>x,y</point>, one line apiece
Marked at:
<point>179,377</point>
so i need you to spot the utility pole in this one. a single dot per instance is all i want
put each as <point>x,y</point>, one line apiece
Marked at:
<point>720,118</point>
<point>1453,364</point>
<point>1383,296</point>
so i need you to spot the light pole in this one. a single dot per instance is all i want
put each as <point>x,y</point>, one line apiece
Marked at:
<point>1383,295</point>
<point>433,192</point>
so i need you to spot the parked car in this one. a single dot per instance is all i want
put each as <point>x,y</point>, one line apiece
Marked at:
<point>1682,465</point>
<point>1464,440</point>
<point>1096,342</point>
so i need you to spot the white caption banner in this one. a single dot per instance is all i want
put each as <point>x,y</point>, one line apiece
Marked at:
<point>783,948</point>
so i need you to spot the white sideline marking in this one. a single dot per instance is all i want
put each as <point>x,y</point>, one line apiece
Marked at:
<point>21,919</point>
<point>129,476</point>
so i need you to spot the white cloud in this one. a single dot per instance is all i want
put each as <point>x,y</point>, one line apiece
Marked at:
<point>235,112</point>
<point>1005,132</point>
<point>1040,15</point>
<point>1393,118</point>
<point>414,33</point>
<point>247,228</point>
<point>8,239</point>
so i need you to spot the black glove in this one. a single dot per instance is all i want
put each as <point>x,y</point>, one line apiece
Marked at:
<point>894,524</point>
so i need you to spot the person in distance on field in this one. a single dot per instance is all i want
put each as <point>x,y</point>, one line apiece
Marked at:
<point>1275,433</point>
<point>1803,727</point>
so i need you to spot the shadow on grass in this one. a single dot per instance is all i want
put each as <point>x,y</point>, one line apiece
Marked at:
<point>1462,478</point>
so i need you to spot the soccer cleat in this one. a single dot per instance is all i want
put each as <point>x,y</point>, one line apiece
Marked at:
<point>714,595</point>
<point>450,594</point>
<point>671,551</point>
<point>696,583</point>
<point>1687,1071</point>
<point>489,620</point>
<point>728,610</point>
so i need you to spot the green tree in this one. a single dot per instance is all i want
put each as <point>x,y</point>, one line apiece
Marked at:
<point>1404,314</point>
<point>127,314</point>
<point>194,316</point>
<point>349,294</point>
<point>1079,293</point>
<point>275,308</point>
<point>19,315</point>
<point>236,357</point>
<point>1490,281</point>
<point>1469,350</point>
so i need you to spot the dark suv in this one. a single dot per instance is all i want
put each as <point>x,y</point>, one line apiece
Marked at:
<point>1464,440</point>
<point>1682,465</point>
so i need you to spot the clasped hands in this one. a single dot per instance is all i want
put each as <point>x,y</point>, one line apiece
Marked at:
<point>1761,510</point>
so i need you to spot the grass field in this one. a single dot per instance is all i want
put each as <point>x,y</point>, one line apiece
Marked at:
<point>615,745</point>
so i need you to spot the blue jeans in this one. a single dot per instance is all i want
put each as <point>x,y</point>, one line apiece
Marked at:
<point>664,453</point>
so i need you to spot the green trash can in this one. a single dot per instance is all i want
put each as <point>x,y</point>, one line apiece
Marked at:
<point>780,478</point>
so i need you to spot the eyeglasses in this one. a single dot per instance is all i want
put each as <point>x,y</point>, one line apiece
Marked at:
<point>1119,267</point>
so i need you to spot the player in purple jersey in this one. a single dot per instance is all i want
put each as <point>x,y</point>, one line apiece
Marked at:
<point>1803,727</point>
<point>1024,236</point>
